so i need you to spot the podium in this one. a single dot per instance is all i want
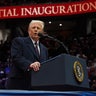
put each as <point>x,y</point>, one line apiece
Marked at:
<point>63,72</point>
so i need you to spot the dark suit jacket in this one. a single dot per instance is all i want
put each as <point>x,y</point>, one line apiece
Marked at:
<point>23,54</point>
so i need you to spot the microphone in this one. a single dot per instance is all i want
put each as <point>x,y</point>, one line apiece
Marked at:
<point>45,36</point>
<point>50,37</point>
<point>42,35</point>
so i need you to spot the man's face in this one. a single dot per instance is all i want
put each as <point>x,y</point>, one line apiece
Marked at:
<point>34,29</point>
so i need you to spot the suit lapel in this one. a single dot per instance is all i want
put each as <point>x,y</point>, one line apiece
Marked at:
<point>30,46</point>
<point>41,53</point>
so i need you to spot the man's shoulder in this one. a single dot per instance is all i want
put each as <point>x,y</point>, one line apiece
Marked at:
<point>43,45</point>
<point>20,38</point>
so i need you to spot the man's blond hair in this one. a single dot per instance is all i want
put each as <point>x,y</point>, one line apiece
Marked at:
<point>37,21</point>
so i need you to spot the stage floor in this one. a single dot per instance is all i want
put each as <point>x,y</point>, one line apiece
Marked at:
<point>46,93</point>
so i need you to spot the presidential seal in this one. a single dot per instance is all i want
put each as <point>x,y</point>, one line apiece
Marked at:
<point>78,71</point>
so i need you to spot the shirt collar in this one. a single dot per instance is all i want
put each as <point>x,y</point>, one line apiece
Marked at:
<point>35,41</point>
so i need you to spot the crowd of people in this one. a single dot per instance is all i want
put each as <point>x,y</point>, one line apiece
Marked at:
<point>82,47</point>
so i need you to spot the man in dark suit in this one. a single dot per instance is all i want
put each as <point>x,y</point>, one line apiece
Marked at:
<point>25,58</point>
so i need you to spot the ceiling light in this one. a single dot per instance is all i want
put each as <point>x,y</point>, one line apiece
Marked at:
<point>60,24</point>
<point>50,22</point>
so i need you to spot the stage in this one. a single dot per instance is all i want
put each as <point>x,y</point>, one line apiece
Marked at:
<point>45,93</point>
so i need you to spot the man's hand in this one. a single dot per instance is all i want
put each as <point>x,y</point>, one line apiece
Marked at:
<point>35,66</point>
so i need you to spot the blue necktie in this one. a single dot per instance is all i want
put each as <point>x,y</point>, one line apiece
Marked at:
<point>36,48</point>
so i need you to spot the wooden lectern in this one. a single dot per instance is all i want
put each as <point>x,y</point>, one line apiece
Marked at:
<point>63,72</point>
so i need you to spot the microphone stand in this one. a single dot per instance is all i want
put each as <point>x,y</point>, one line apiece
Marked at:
<point>59,43</point>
